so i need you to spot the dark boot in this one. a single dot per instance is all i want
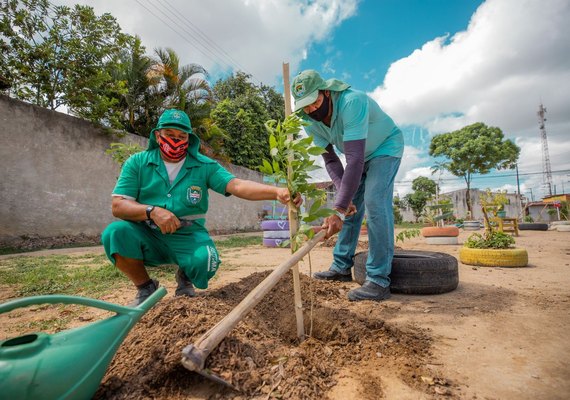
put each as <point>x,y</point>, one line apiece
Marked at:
<point>144,293</point>
<point>333,276</point>
<point>369,291</point>
<point>185,287</point>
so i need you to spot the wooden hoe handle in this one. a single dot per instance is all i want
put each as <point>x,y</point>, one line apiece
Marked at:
<point>194,355</point>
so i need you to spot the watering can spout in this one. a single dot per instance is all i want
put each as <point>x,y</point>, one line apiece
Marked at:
<point>31,366</point>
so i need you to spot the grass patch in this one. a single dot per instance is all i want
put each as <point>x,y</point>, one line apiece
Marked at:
<point>239,241</point>
<point>85,275</point>
<point>46,325</point>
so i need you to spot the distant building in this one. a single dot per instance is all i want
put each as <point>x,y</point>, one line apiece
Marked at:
<point>546,210</point>
<point>459,200</point>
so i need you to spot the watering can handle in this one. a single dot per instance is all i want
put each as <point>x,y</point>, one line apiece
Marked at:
<point>84,301</point>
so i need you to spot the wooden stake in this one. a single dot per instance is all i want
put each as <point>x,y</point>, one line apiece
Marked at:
<point>293,220</point>
<point>194,355</point>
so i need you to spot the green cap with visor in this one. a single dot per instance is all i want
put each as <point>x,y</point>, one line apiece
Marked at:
<point>306,86</point>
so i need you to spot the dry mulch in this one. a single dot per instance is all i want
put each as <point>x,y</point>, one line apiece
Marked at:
<point>262,356</point>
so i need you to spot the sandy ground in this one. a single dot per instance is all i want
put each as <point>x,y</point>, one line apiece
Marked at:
<point>503,334</point>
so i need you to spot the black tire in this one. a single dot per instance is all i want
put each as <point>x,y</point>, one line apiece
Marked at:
<point>416,272</point>
<point>533,227</point>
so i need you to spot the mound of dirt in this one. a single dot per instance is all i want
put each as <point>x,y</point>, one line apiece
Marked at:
<point>262,355</point>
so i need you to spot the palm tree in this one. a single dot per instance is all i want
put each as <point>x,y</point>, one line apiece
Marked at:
<point>181,86</point>
<point>140,106</point>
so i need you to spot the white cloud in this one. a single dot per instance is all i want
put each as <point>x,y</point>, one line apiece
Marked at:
<point>256,35</point>
<point>513,55</point>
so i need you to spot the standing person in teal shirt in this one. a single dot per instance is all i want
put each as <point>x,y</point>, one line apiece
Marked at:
<point>161,198</point>
<point>349,121</point>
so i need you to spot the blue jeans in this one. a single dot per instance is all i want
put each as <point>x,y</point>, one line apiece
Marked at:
<point>375,192</point>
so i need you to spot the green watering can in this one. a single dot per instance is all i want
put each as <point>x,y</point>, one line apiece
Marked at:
<point>69,364</point>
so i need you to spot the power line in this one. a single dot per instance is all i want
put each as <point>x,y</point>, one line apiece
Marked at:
<point>205,50</point>
<point>197,30</point>
<point>210,51</point>
<point>562,171</point>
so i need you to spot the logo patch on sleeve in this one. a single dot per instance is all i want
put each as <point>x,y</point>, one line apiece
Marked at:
<point>194,194</point>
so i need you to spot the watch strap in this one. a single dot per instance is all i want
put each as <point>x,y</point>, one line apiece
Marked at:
<point>340,215</point>
<point>148,211</point>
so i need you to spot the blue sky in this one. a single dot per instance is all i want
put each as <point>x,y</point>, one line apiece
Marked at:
<point>364,46</point>
<point>433,65</point>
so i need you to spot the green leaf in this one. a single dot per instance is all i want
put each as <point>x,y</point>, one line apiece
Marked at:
<point>316,151</point>
<point>272,141</point>
<point>276,166</point>
<point>266,168</point>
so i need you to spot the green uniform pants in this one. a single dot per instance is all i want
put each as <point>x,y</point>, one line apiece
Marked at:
<point>194,252</point>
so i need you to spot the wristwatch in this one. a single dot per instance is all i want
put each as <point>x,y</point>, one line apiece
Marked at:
<point>340,215</point>
<point>148,211</point>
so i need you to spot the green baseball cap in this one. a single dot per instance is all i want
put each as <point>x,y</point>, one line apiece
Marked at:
<point>306,86</point>
<point>174,119</point>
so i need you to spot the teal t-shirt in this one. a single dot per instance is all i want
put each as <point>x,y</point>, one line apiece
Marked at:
<point>144,178</point>
<point>356,116</point>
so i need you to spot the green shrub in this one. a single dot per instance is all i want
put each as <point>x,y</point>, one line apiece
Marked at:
<point>490,240</point>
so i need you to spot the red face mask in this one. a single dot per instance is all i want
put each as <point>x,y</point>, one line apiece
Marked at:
<point>173,149</point>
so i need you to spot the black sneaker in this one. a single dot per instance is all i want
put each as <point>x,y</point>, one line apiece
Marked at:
<point>369,291</point>
<point>333,276</point>
<point>185,287</point>
<point>144,293</point>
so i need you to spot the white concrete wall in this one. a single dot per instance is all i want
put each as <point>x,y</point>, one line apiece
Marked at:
<point>56,178</point>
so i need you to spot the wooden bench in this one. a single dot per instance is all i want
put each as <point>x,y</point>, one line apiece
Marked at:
<point>506,225</point>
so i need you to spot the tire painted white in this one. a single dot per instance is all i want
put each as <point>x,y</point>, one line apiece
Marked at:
<point>563,228</point>
<point>471,225</point>
<point>275,225</point>
<point>273,242</point>
<point>276,234</point>
<point>558,223</point>
<point>441,240</point>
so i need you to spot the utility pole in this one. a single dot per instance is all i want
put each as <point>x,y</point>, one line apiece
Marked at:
<point>546,170</point>
<point>519,188</point>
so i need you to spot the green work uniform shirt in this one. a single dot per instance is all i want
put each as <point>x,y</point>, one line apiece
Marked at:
<point>145,179</point>
<point>356,116</point>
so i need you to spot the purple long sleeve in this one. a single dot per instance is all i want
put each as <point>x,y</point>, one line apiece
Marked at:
<point>333,166</point>
<point>346,181</point>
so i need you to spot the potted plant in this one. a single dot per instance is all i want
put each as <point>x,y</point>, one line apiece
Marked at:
<point>436,214</point>
<point>470,224</point>
<point>495,203</point>
<point>492,249</point>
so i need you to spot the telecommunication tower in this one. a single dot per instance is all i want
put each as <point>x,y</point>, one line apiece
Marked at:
<point>546,170</point>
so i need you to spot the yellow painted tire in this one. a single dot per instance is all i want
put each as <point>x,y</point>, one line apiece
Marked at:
<point>494,257</point>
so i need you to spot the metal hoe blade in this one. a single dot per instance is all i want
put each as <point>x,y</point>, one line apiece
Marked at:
<point>194,363</point>
<point>194,355</point>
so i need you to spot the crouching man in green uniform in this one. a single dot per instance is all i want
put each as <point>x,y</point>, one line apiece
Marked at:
<point>161,198</point>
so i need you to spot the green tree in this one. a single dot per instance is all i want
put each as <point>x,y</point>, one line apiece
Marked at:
<point>474,149</point>
<point>62,56</point>
<point>240,112</point>
<point>180,85</point>
<point>396,206</point>
<point>139,104</point>
<point>242,145</point>
<point>424,189</point>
